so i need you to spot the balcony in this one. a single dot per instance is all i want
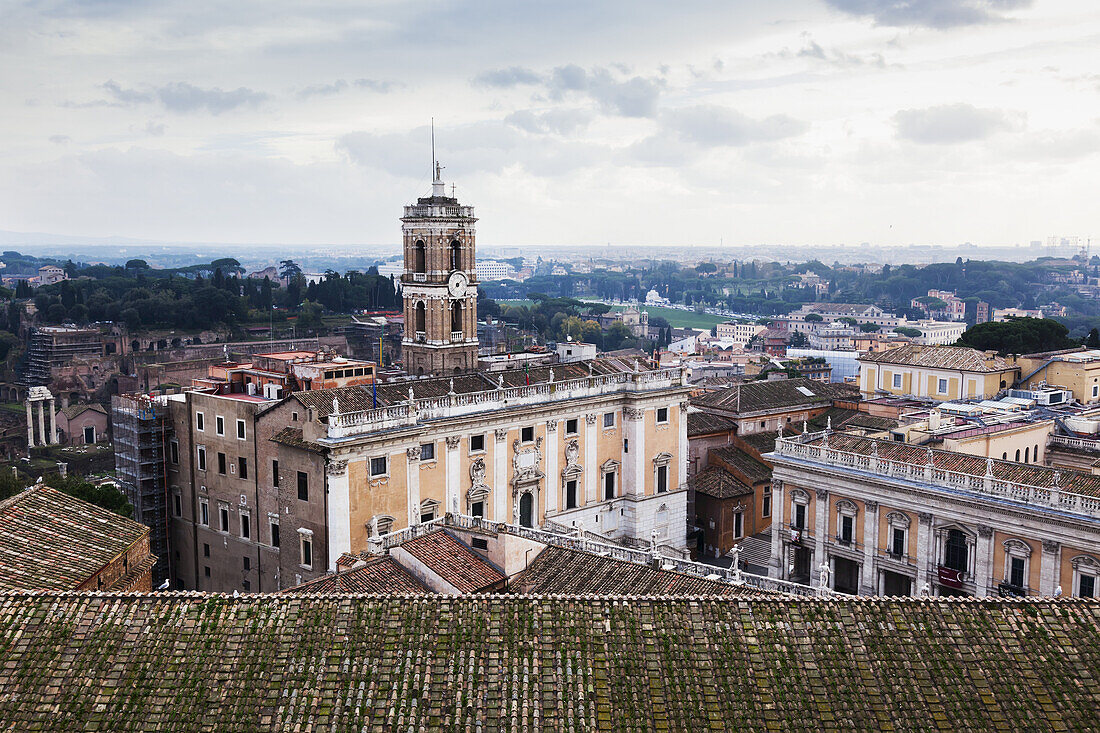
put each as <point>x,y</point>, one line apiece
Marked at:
<point>898,557</point>
<point>848,542</point>
<point>457,337</point>
<point>421,337</point>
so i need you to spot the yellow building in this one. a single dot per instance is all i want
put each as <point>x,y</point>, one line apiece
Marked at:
<point>1077,371</point>
<point>941,373</point>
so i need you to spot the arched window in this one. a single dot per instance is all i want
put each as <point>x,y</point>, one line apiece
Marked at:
<point>1035,453</point>
<point>1017,455</point>
<point>456,316</point>
<point>418,257</point>
<point>456,255</point>
<point>420,316</point>
<point>955,551</point>
<point>527,510</point>
<point>1027,454</point>
<point>1004,456</point>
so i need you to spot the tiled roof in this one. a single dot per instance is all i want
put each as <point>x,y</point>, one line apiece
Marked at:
<point>718,482</point>
<point>558,570</point>
<point>187,661</point>
<point>1024,473</point>
<point>704,423</point>
<point>453,561</point>
<point>765,442</point>
<point>381,574</point>
<point>847,419</point>
<point>742,463</point>
<point>52,541</point>
<point>293,438</point>
<point>774,395</point>
<point>74,410</point>
<point>939,357</point>
<point>844,309</point>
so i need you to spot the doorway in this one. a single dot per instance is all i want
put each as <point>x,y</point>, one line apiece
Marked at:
<point>896,584</point>
<point>845,575</point>
<point>527,510</point>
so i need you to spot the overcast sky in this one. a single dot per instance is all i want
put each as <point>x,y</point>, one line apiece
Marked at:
<point>567,122</point>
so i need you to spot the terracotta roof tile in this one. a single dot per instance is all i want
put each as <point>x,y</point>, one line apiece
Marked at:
<point>453,561</point>
<point>718,482</point>
<point>381,574</point>
<point>939,357</point>
<point>782,393</point>
<point>704,423</point>
<point>742,464</point>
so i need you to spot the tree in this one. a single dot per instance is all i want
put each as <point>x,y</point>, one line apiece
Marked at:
<point>288,270</point>
<point>907,331</point>
<point>1018,336</point>
<point>814,318</point>
<point>799,340</point>
<point>868,327</point>
<point>1093,340</point>
<point>105,496</point>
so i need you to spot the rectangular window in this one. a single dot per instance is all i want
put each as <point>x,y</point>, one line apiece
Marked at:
<point>942,386</point>
<point>477,443</point>
<point>174,451</point>
<point>247,563</point>
<point>477,509</point>
<point>766,503</point>
<point>274,534</point>
<point>242,466</point>
<point>177,504</point>
<point>609,419</point>
<point>204,513</point>
<point>200,421</point>
<point>427,451</point>
<point>662,415</point>
<point>245,585</point>
<point>609,485</point>
<point>219,425</point>
<point>306,550</point>
<point>571,427</point>
<point>527,435</point>
<point>240,430</point>
<point>221,463</point>
<point>378,466</point>
<point>800,516</point>
<point>205,549</point>
<point>570,494</point>
<point>897,542</point>
<point>202,458</point>
<point>1016,572</point>
<point>738,524</point>
<point>662,479</point>
<point>846,529</point>
<point>275,473</point>
<point>303,486</point>
<point>223,518</point>
<point>1086,587</point>
<point>246,526</point>
<point>206,571</point>
<point>897,381</point>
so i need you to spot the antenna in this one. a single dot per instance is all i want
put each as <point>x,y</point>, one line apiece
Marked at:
<point>433,147</point>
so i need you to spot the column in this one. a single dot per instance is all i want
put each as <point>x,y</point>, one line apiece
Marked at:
<point>682,452</point>
<point>451,468</point>
<point>53,423</point>
<point>553,478</point>
<point>339,512</point>
<point>501,490</point>
<point>42,423</point>
<point>779,528</point>
<point>634,468</point>
<point>983,560</point>
<point>30,426</point>
<point>591,470</point>
<point>1048,571</point>
<point>821,527</point>
<point>412,484</point>
<point>868,582</point>
<point>925,551</point>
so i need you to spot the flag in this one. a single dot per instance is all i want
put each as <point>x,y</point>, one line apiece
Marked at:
<point>374,393</point>
<point>527,373</point>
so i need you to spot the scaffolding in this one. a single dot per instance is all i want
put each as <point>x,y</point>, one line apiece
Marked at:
<point>142,431</point>
<point>54,346</point>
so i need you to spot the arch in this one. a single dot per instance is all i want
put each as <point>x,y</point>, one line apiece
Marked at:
<point>1004,456</point>
<point>419,263</point>
<point>898,519</point>
<point>1027,454</point>
<point>420,371</point>
<point>456,316</point>
<point>527,510</point>
<point>456,255</point>
<point>381,524</point>
<point>844,506</point>
<point>1019,548</point>
<point>800,496</point>
<point>1017,455</point>
<point>1035,454</point>
<point>420,318</point>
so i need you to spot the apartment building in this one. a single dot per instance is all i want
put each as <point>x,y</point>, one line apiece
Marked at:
<point>739,333</point>
<point>884,518</point>
<point>1077,370</point>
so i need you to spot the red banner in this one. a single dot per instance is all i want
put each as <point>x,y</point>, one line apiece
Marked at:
<point>950,577</point>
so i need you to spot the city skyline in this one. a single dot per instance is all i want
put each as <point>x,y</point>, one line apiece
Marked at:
<point>922,121</point>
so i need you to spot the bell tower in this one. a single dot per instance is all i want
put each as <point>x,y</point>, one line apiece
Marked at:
<point>439,287</point>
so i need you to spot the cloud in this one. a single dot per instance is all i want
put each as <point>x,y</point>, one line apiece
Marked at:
<point>930,13</point>
<point>714,126</point>
<point>183,97</point>
<point>557,121</point>
<point>633,97</point>
<point>506,78</point>
<point>126,96</point>
<point>324,90</point>
<point>813,50</point>
<point>952,123</point>
<point>60,139</point>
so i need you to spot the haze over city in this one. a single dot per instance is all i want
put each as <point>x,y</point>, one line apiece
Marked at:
<point>642,123</point>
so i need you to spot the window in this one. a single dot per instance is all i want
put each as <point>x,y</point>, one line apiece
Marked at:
<point>303,486</point>
<point>1086,586</point>
<point>245,585</point>
<point>200,421</point>
<point>221,463</point>
<point>626,445</point>
<point>177,504</point>
<point>427,451</point>
<point>1017,455</point>
<point>800,516</point>
<point>609,485</point>
<point>766,503</point>
<point>847,529</point>
<point>609,419</point>
<point>294,417</point>
<point>571,426</point>
<point>274,527</point>
<point>240,430</point>
<point>571,494</point>
<point>897,381</point>
<point>479,543</point>
<point>662,415</point>
<point>202,458</point>
<point>378,466</point>
<point>219,425</point>
<point>1027,454</point>
<point>955,551</point>
<point>477,509</point>
<point>1016,571</point>
<point>205,549</point>
<point>941,386</point>
<point>246,525</point>
<point>242,467</point>
<point>275,473</point>
<point>305,549</point>
<point>477,443</point>
<point>527,434</point>
<point>174,451</point>
<point>738,524</point>
<point>223,518</point>
<point>1035,454</point>
<point>247,562</point>
<point>206,571</point>
<point>662,479</point>
<point>204,512</point>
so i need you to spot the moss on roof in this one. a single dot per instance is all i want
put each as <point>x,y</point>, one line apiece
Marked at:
<point>189,661</point>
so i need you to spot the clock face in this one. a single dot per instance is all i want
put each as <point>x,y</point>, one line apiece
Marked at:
<point>456,284</point>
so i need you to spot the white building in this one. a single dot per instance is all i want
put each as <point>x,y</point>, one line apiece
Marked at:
<point>494,270</point>
<point>575,351</point>
<point>938,333</point>
<point>740,333</point>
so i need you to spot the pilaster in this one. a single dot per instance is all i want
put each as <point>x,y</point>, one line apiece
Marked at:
<point>868,583</point>
<point>412,484</point>
<point>1048,570</point>
<point>553,479</point>
<point>925,561</point>
<point>501,492</point>
<point>452,473</point>
<point>634,459</point>
<point>778,527</point>
<point>821,527</point>
<point>983,560</point>
<point>591,470</point>
<point>339,511</point>
<point>30,426</point>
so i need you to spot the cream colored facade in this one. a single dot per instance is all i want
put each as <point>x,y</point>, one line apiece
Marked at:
<point>942,385</point>
<point>604,454</point>
<point>1078,372</point>
<point>1025,443</point>
<point>741,333</point>
<point>890,527</point>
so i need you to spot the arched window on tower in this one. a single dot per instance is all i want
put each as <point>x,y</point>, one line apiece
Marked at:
<point>418,257</point>
<point>456,255</point>
<point>420,319</point>
<point>456,319</point>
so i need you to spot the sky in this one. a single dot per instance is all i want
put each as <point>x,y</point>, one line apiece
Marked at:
<point>648,122</point>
